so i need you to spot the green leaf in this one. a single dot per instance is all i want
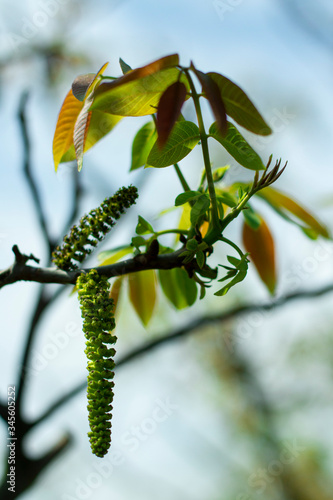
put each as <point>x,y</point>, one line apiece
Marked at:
<point>192,245</point>
<point>241,266</point>
<point>125,68</point>
<point>142,145</point>
<point>184,136</point>
<point>237,147</point>
<point>200,256</point>
<point>143,227</point>
<point>239,106</point>
<point>199,208</point>
<point>252,218</point>
<point>219,173</point>
<point>138,241</point>
<point>185,197</point>
<point>227,198</point>
<point>178,287</point>
<point>142,293</point>
<point>137,97</point>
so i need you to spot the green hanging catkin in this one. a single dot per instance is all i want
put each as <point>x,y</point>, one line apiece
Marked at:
<point>98,322</point>
<point>92,228</point>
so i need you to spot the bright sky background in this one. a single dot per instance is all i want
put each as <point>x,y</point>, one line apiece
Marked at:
<point>287,71</point>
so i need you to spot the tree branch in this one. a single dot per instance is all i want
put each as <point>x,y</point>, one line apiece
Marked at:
<point>19,271</point>
<point>27,172</point>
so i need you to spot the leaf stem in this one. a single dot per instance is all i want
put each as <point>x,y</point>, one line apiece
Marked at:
<point>232,244</point>
<point>236,210</point>
<point>182,179</point>
<point>205,151</point>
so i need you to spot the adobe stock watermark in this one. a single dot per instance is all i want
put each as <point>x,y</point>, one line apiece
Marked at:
<point>224,7</point>
<point>129,443</point>
<point>263,477</point>
<point>291,281</point>
<point>31,25</point>
<point>57,342</point>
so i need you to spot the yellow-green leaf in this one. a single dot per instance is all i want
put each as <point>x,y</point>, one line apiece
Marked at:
<point>100,125</point>
<point>63,141</point>
<point>135,97</point>
<point>178,287</point>
<point>184,137</point>
<point>115,291</point>
<point>142,293</point>
<point>293,212</point>
<point>260,245</point>
<point>142,145</point>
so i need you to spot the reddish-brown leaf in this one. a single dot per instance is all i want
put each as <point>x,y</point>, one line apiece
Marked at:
<point>168,111</point>
<point>213,94</point>
<point>260,245</point>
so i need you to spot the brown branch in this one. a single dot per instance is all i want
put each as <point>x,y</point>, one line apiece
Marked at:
<point>19,271</point>
<point>28,174</point>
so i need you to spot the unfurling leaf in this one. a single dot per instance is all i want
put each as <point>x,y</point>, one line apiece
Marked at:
<point>259,244</point>
<point>178,287</point>
<point>184,136</point>
<point>142,293</point>
<point>168,110</point>
<point>125,68</point>
<point>237,147</point>
<point>293,212</point>
<point>199,208</point>
<point>239,106</point>
<point>187,196</point>
<point>72,112</point>
<point>142,145</point>
<point>237,273</point>
<point>213,94</point>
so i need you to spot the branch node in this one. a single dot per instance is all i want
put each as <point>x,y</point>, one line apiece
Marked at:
<point>21,258</point>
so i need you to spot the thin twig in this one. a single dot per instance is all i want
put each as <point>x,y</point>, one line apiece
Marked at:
<point>27,171</point>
